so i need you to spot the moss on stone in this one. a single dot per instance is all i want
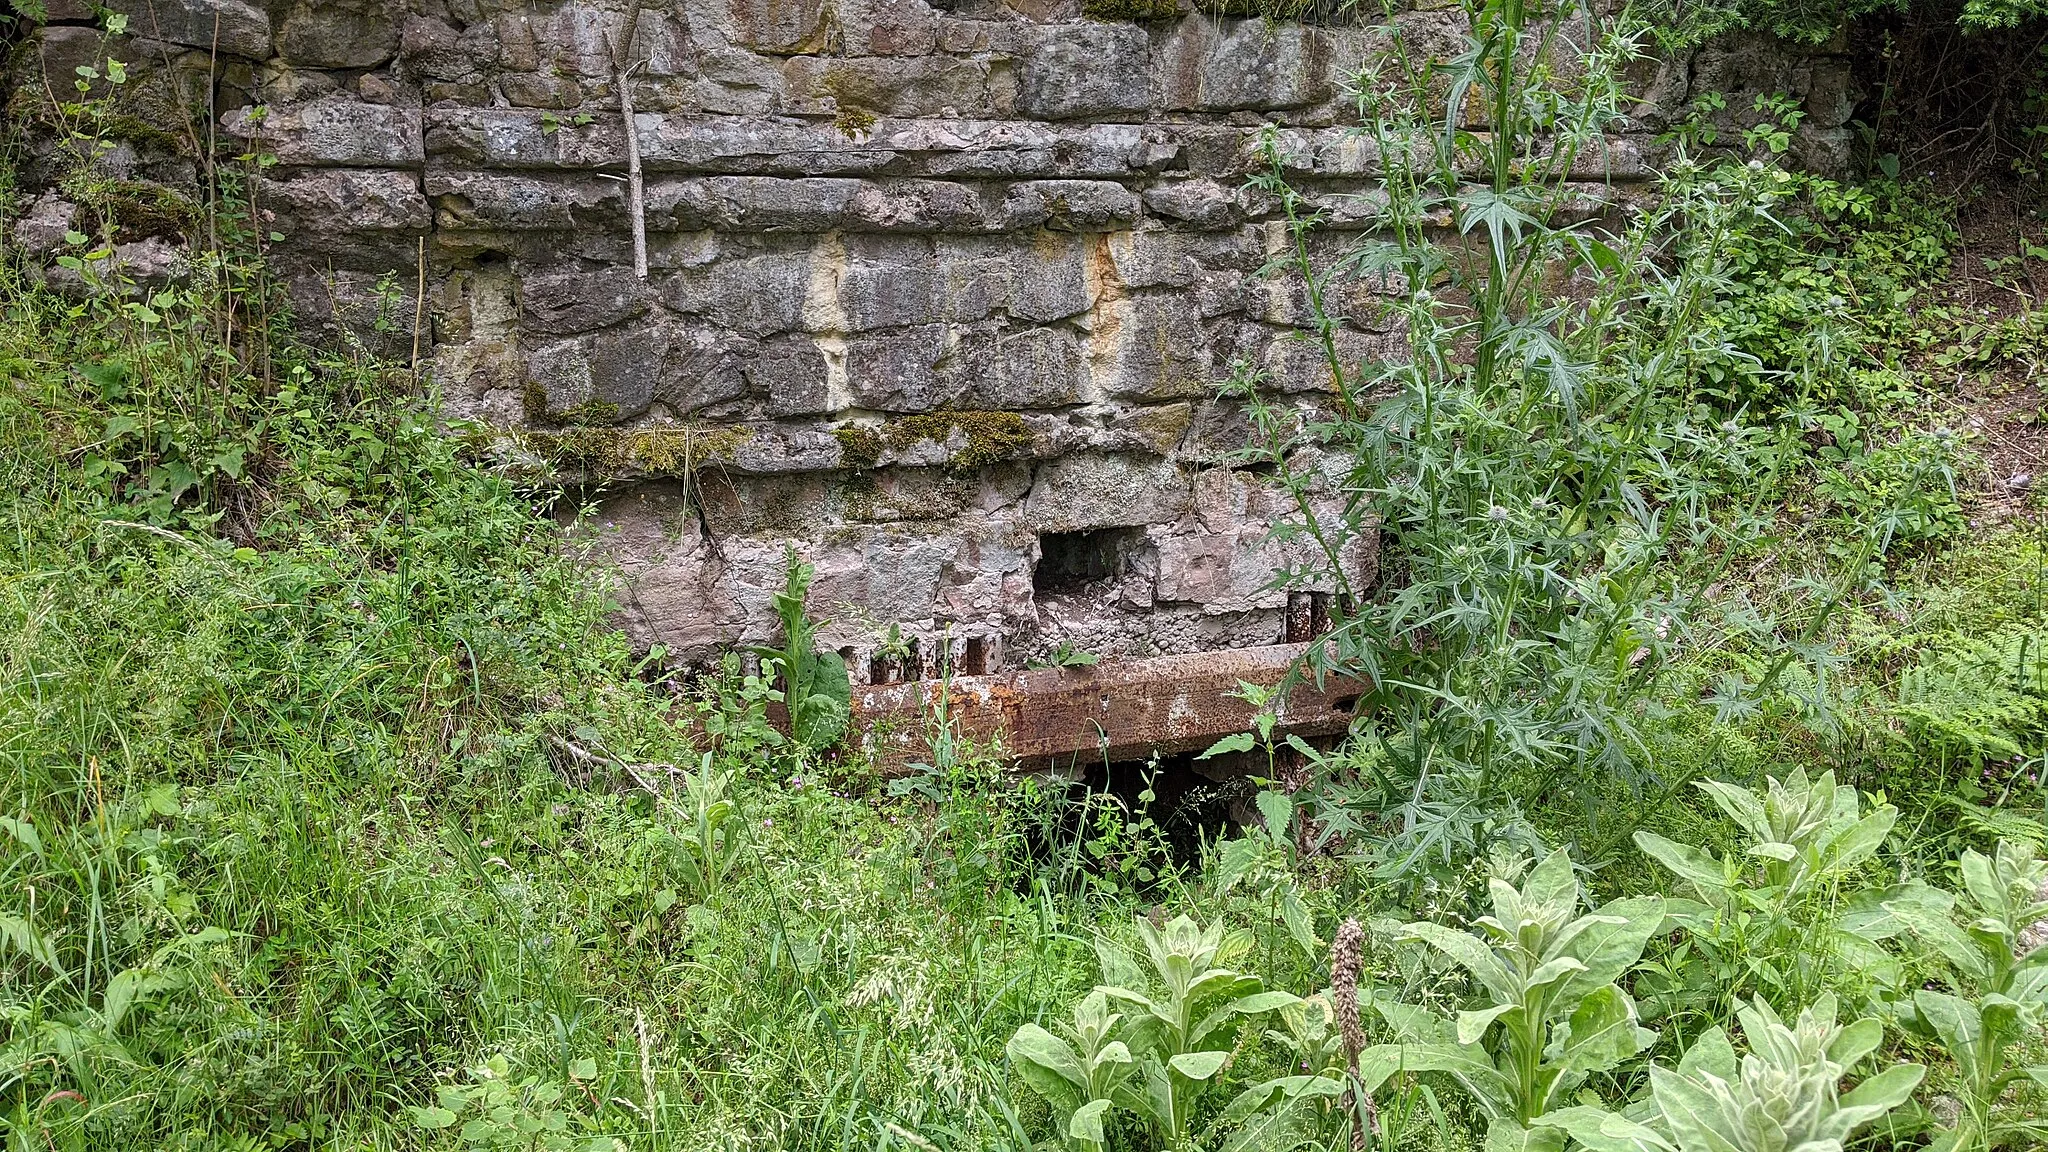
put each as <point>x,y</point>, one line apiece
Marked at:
<point>675,451</point>
<point>596,452</point>
<point>854,118</point>
<point>136,130</point>
<point>862,497</point>
<point>991,436</point>
<point>602,453</point>
<point>592,413</point>
<point>1135,10</point>
<point>533,401</point>
<point>859,448</point>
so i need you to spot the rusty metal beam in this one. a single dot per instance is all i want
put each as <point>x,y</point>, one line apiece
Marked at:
<point>1119,710</point>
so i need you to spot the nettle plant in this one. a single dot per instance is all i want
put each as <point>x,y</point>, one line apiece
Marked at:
<point>1258,869</point>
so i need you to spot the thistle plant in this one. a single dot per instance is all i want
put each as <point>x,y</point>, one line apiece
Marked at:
<point>1511,453</point>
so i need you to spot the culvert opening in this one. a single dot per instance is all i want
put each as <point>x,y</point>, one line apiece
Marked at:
<point>1190,804</point>
<point>1071,561</point>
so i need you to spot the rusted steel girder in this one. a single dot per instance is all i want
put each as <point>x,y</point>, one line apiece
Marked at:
<point>1059,718</point>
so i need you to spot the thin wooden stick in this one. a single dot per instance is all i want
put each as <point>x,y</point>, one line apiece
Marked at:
<point>419,309</point>
<point>636,198</point>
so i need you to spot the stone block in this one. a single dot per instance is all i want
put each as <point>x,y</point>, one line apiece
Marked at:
<point>1070,205</point>
<point>778,449</point>
<point>540,90</point>
<point>1295,365</point>
<point>899,494</point>
<point>1197,203</point>
<point>975,274</point>
<point>520,203</point>
<point>749,146</point>
<point>1160,257</point>
<point>790,371</point>
<point>699,367</point>
<point>1029,368</point>
<point>1150,429</point>
<point>339,35</point>
<point>1209,64</point>
<point>1092,71</point>
<point>912,86</point>
<point>735,83</point>
<point>1049,278</point>
<point>575,301</point>
<point>758,294</point>
<point>243,29</point>
<point>898,371</point>
<point>889,282</point>
<point>41,229</point>
<point>435,50</point>
<point>752,203</point>
<point>963,37</point>
<point>627,365</point>
<point>674,592</point>
<point>891,572</point>
<point>558,374</point>
<point>783,27</point>
<point>889,27</point>
<point>923,206</point>
<point>334,132</point>
<point>1152,347</point>
<point>346,199</point>
<point>1094,490</point>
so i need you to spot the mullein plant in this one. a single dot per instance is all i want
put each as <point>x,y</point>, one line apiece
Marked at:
<point>1783,1095</point>
<point>1550,1012</point>
<point>1784,918</point>
<point>1992,943</point>
<point>1184,1008</point>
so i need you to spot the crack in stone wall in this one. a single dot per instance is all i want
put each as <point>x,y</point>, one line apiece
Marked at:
<point>928,279</point>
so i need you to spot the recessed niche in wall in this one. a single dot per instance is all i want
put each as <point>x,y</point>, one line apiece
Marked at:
<point>1071,561</point>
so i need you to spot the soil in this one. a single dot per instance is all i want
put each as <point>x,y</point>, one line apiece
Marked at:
<point>2003,405</point>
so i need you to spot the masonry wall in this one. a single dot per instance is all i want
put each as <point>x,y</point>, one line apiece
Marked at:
<point>940,294</point>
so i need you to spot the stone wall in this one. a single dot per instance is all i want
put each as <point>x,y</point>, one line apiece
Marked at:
<point>940,292</point>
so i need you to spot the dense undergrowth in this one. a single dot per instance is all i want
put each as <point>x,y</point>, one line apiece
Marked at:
<point>336,815</point>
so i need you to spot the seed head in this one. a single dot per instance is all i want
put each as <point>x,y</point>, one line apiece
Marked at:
<point>1347,959</point>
